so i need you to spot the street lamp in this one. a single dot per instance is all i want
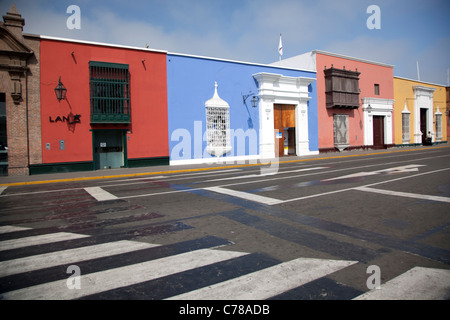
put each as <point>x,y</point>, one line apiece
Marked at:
<point>60,91</point>
<point>254,100</point>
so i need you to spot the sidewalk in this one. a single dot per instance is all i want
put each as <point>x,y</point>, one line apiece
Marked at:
<point>161,170</point>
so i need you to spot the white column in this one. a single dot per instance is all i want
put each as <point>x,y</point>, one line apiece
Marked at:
<point>266,129</point>
<point>301,129</point>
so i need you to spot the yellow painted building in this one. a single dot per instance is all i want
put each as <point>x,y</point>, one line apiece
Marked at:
<point>419,112</point>
<point>448,113</point>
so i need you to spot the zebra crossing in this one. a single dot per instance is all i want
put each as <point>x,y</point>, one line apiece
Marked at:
<point>106,269</point>
<point>199,269</point>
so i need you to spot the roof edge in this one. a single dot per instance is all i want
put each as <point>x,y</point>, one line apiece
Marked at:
<point>338,55</point>
<point>100,44</point>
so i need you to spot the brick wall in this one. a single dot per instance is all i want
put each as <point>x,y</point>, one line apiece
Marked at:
<point>34,102</point>
<point>20,81</point>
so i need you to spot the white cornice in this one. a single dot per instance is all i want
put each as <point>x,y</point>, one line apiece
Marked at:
<point>371,100</point>
<point>265,76</point>
<point>423,91</point>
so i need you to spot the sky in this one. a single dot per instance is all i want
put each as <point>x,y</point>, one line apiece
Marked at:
<point>410,32</point>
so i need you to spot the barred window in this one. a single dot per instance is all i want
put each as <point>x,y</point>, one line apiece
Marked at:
<point>340,126</point>
<point>405,127</point>
<point>110,93</point>
<point>438,126</point>
<point>217,125</point>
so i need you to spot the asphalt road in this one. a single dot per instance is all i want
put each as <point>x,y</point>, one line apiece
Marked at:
<point>367,225</point>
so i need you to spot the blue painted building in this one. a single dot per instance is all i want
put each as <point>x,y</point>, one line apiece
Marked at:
<point>222,110</point>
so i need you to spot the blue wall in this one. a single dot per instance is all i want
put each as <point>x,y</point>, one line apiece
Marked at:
<point>190,83</point>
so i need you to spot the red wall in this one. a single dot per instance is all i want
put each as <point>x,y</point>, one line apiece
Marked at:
<point>148,132</point>
<point>370,74</point>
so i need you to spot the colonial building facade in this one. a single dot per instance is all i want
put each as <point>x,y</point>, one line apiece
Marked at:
<point>420,109</point>
<point>20,121</point>
<point>355,100</point>
<point>68,105</point>
<point>222,110</point>
<point>114,113</point>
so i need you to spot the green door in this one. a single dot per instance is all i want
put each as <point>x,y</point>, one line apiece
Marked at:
<point>109,150</point>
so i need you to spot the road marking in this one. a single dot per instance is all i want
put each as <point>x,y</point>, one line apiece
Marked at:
<point>213,168</point>
<point>7,229</point>
<point>156,194</point>
<point>150,179</point>
<point>416,284</point>
<point>36,240</point>
<point>245,195</point>
<point>268,282</point>
<point>69,256</point>
<point>99,194</point>
<point>273,201</point>
<point>123,276</point>
<point>2,189</point>
<point>270,173</point>
<point>316,195</point>
<point>402,169</point>
<point>404,194</point>
<point>366,186</point>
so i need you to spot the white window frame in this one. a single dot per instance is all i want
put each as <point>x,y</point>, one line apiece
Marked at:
<point>438,119</point>
<point>217,125</point>
<point>406,125</point>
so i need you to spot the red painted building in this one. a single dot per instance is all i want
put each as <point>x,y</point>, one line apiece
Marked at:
<point>114,113</point>
<point>355,100</point>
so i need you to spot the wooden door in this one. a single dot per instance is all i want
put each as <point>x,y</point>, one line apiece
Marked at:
<point>284,117</point>
<point>423,124</point>
<point>278,129</point>
<point>378,131</point>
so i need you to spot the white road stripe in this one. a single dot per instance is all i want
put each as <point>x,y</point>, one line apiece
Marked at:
<point>271,173</point>
<point>3,189</point>
<point>41,239</point>
<point>268,282</point>
<point>402,169</point>
<point>245,195</point>
<point>69,256</point>
<point>404,194</point>
<point>99,194</point>
<point>416,284</point>
<point>123,276</point>
<point>7,229</point>
<point>149,178</point>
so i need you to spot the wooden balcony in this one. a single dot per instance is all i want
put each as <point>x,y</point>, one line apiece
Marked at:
<point>341,88</point>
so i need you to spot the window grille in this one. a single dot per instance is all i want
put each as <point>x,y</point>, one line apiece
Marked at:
<point>340,122</point>
<point>438,126</point>
<point>110,92</point>
<point>217,125</point>
<point>405,127</point>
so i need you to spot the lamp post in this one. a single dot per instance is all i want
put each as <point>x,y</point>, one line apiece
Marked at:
<point>60,91</point>
<point>254,100</point>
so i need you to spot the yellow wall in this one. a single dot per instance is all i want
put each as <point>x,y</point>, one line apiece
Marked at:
<point>403,92</point>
